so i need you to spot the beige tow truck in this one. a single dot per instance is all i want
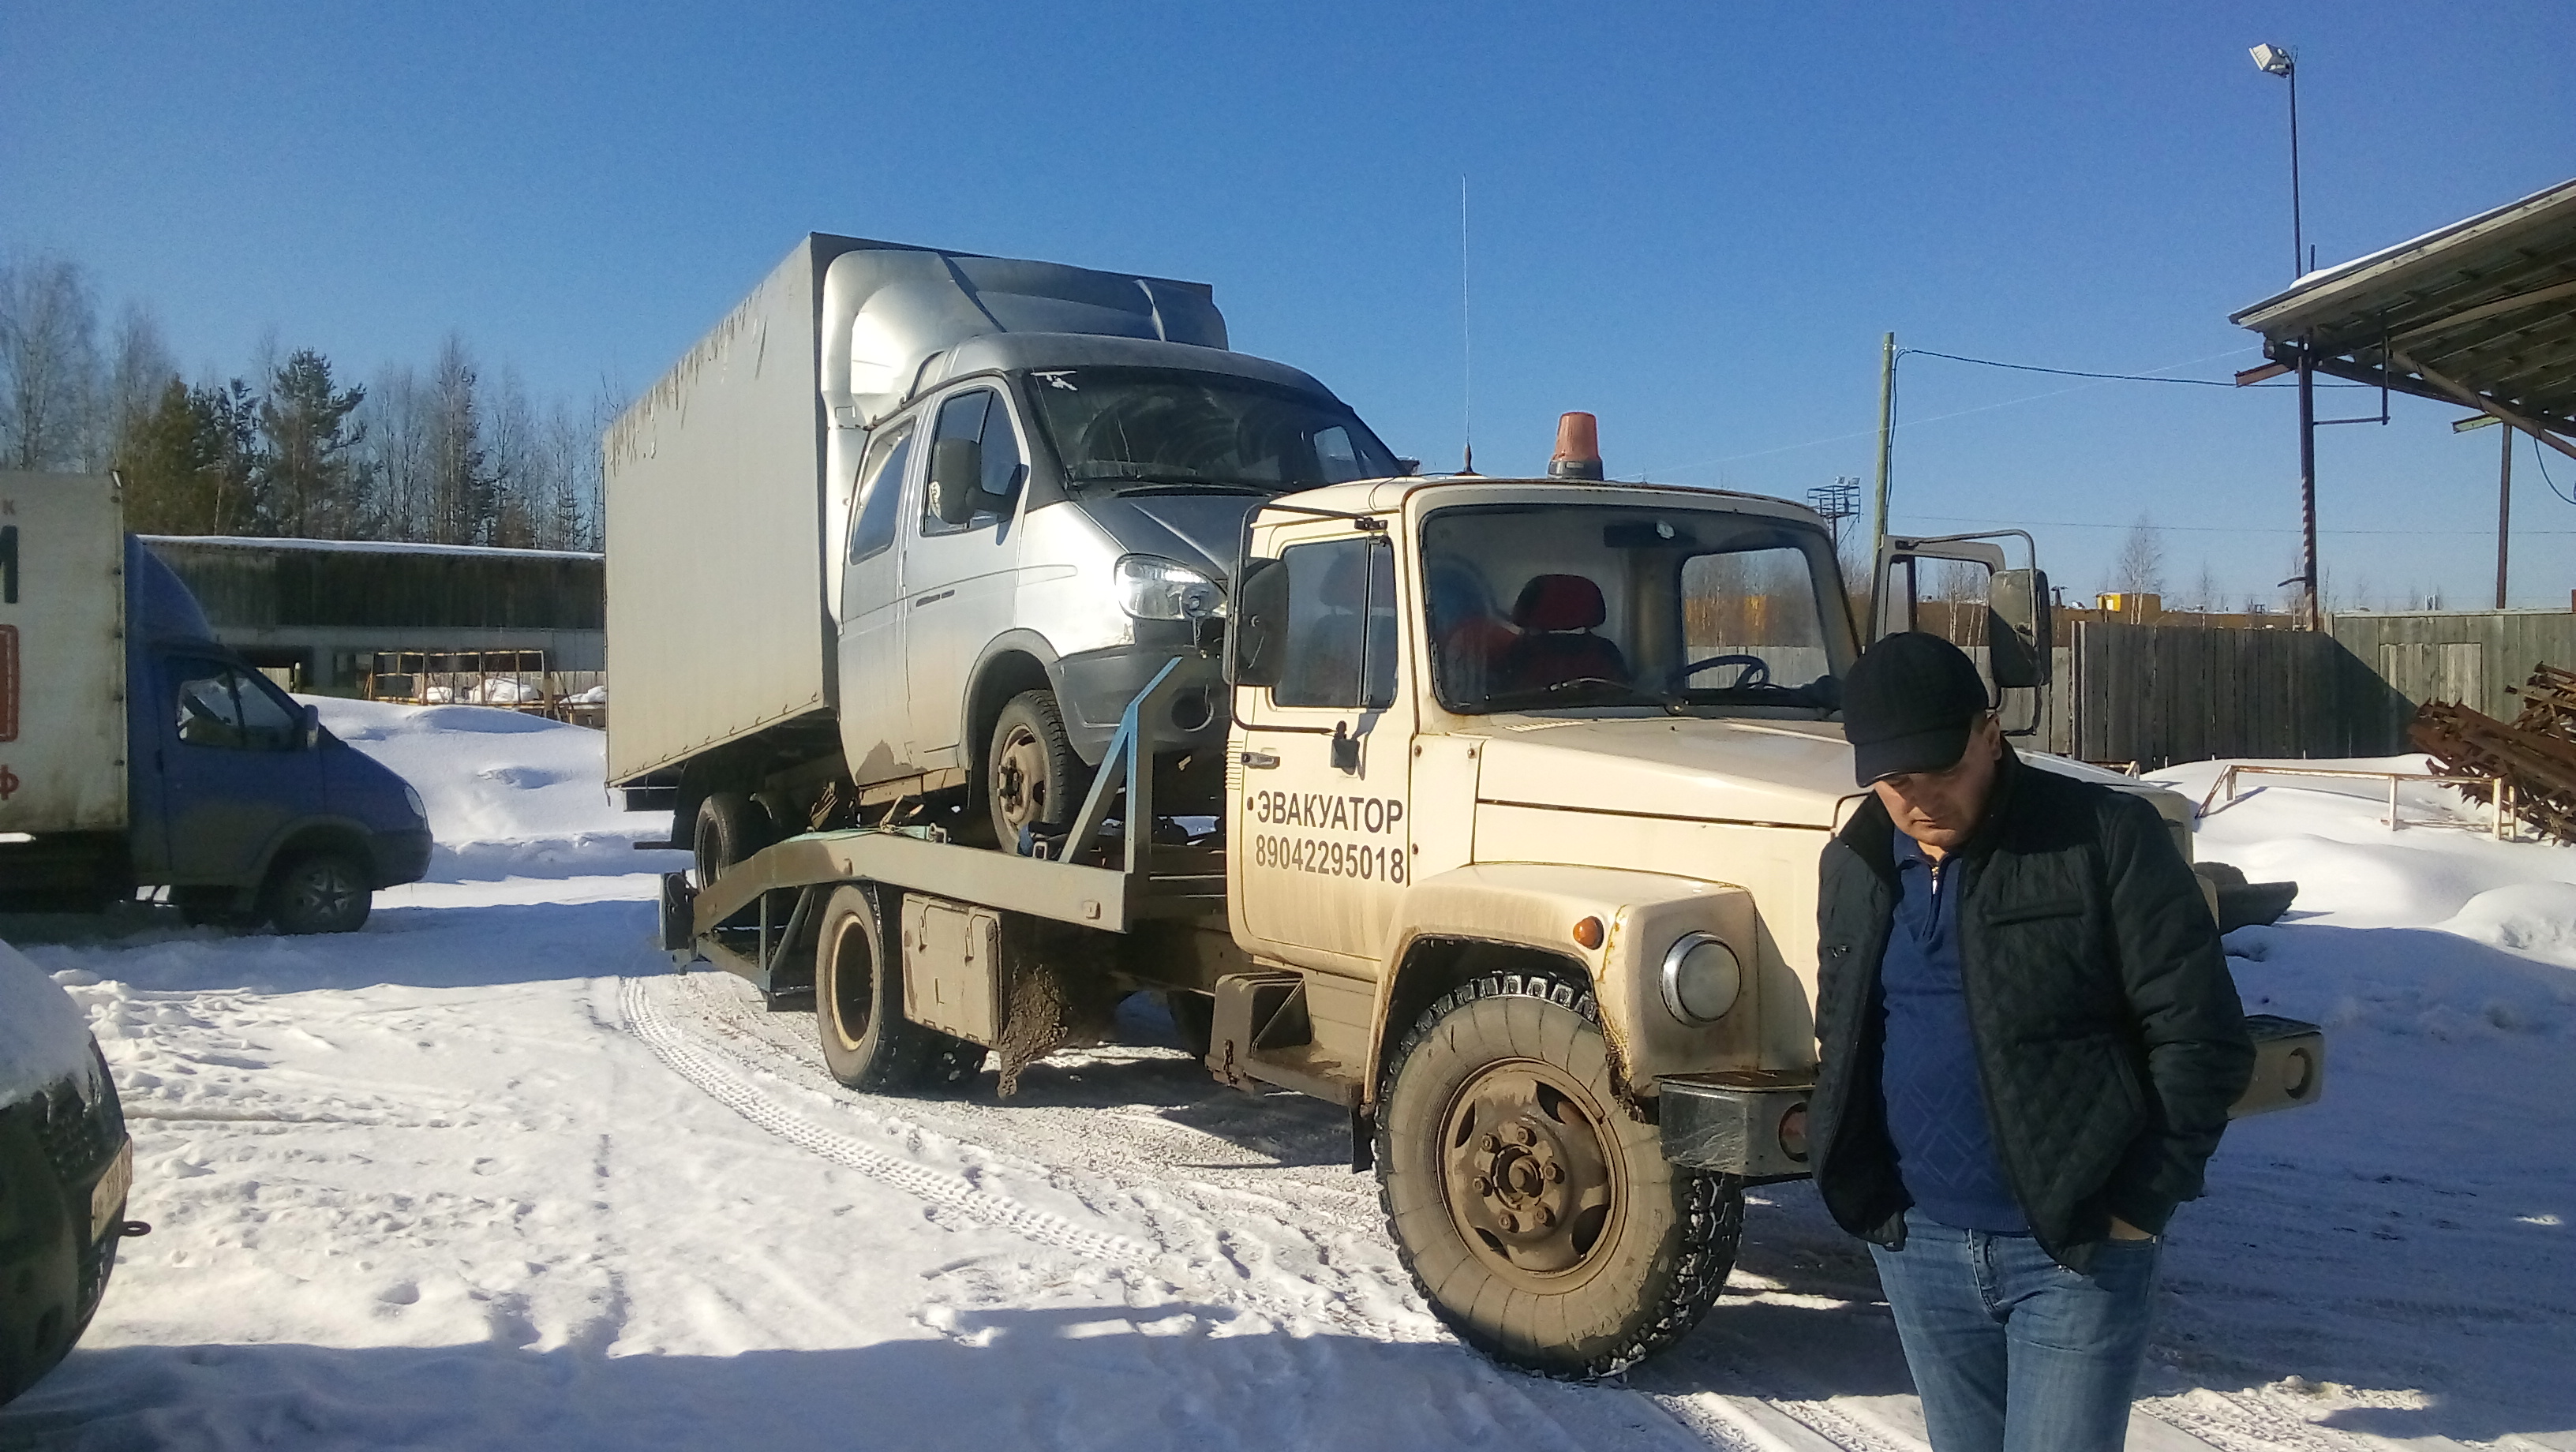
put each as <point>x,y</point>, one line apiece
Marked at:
<point>1523,796</point>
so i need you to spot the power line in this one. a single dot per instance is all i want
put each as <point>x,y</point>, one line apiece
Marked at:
<point>2111,377</point>
<point>2198,529</point>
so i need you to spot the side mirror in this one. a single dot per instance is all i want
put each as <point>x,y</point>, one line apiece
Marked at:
<point>1259,629</point>
<point>311,735</point>
<point>956,479</point>
<point>2019,628</point>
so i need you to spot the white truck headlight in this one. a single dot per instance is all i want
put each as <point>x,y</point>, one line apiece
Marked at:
<point>1150,588</point>
<point>1701,979</point>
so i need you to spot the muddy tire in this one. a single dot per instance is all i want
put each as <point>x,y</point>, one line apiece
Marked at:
<point>868,1044</point>
<point>730,827</point>
<point>1032,777</point>
<point>318,892</point>
<point>1537,1216</point>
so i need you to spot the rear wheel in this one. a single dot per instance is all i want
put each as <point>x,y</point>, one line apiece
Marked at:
<point>858,1007</point>
<point>1538,1217</point>
<point>730,827</point>
<point>1033,779</point>
<point>318,892</point>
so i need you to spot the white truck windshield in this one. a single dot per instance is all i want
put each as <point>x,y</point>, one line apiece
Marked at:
<point>1139,427</point>
<point>1537,606</point>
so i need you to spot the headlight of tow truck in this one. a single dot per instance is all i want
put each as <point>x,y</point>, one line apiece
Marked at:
<point>1150,588</point>
<point>1701,979</point>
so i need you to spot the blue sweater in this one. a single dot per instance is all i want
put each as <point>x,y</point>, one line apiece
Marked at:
<point>1936,1103</point>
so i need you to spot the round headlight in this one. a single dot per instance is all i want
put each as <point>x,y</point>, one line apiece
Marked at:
<point>1702,978</point>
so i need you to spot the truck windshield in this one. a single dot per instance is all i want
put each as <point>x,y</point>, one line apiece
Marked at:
<point>1534,607</point>
<point>1131,428</point>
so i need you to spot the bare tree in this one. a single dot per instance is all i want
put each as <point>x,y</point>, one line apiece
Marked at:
<point>2205,594</point>
<point>460,475</point>
<point>48,364</point>
<point>2140,568</point>
<point>139,374</point>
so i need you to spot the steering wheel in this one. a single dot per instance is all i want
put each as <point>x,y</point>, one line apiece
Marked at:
<point>1757,671</point>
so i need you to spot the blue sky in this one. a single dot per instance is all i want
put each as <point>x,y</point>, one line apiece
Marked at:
<point>1693,220</point>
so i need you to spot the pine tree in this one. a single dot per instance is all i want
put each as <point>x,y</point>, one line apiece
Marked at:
<point>460,478</point>
<point>228,418</point>
<point>167,454</point>
<point>308,483</point>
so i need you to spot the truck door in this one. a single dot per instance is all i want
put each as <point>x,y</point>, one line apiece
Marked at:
<point>875,707</point>
<point>1321,831</point>
<point>234,769</point>
<point>958,574</point>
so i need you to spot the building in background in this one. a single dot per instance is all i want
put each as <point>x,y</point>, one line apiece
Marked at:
<point>316,613</point>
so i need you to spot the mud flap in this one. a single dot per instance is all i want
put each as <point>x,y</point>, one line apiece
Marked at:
<point>679,914</point>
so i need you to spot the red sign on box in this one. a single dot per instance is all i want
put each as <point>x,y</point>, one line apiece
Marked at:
<point>8,683</point>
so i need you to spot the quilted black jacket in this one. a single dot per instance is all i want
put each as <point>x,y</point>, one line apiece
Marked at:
<point>2108,1031</point>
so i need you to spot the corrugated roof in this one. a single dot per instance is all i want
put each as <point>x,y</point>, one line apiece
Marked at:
<point>2488,303</point>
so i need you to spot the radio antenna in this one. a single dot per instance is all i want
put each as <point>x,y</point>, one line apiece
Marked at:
<point>1466,342</point>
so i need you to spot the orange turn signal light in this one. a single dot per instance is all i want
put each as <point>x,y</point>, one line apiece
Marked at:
<point>1588,933</point>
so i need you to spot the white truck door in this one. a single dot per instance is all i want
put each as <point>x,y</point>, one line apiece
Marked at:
<point>1321,831</point>
<point>958,575</point>
<point>875,706</point>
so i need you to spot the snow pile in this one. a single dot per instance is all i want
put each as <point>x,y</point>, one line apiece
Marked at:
<point>43,1035</point>
<point>505,691</point>
<point>509,794</point>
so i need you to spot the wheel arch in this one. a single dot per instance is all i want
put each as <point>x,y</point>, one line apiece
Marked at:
<point>317,835</point>
<point>1014,661</point>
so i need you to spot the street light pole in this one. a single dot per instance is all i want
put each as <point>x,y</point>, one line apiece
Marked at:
<point>2277,60</point>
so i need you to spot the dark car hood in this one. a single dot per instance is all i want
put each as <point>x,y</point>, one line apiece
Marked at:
<point>1200,530</point>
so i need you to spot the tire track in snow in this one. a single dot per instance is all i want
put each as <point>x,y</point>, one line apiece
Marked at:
<point>920,1181</point>
<point>1772,1413</point>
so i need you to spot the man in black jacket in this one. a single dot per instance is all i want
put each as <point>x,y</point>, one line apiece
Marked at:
<point>2029,1042</point>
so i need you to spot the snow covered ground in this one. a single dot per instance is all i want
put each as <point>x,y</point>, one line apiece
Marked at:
<point>490,1174</point>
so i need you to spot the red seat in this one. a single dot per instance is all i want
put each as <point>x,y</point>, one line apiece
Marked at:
<point>1556,614</point>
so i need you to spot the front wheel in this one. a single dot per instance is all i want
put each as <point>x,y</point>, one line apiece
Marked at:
<point>1538,1217</point>
<point>858,1007</point>
<point>319,892</point>
<point>1033,780</point>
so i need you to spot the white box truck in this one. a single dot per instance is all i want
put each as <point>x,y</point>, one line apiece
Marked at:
<point>907,531</point>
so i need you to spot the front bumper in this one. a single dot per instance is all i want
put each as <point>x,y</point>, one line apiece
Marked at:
<point>1751,1123</point>
<point>400,856</point>
<point>1094,687</point>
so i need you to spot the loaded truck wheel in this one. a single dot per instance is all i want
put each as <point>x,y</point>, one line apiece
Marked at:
<point>730,827</point>
<point>1032,777</point>
<point>858,1007</point>
<point>1537,1216</point>
<point>318,892</point>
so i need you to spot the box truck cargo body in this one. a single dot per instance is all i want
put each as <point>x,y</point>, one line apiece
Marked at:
<point>136,751</point>
<point>909,529</point>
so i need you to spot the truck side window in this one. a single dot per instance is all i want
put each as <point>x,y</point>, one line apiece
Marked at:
<point>979,415</point>
<point>1340,651</point>
<point>881,491</point>
<point>221,706</point>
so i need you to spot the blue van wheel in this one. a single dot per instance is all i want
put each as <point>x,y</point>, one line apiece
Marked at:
<point>319,892</point>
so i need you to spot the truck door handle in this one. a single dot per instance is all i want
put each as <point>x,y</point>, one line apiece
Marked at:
<point>933,598</point>
<point>1260,760</point>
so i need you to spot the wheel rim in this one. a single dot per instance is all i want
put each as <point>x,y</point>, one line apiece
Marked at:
<point>851,999</point>
<point>1530,1171</point>
<point>324,891</point>
<point>1020,782</point>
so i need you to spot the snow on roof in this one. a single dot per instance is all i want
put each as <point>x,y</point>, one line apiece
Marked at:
<point>361,546</point>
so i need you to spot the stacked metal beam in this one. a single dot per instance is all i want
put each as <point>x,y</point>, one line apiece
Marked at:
<point>2535,756</point>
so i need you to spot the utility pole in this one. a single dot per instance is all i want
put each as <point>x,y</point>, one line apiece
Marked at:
<point>2504,511</point>
<point>1886,444</point>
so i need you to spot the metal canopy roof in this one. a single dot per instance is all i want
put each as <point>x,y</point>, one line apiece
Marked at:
<point>2480,313</point>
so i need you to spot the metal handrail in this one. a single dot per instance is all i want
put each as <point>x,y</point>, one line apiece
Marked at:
<point>2499,789</point>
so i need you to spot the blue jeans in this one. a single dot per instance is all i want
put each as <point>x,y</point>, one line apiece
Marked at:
<point>2012,1352</point>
